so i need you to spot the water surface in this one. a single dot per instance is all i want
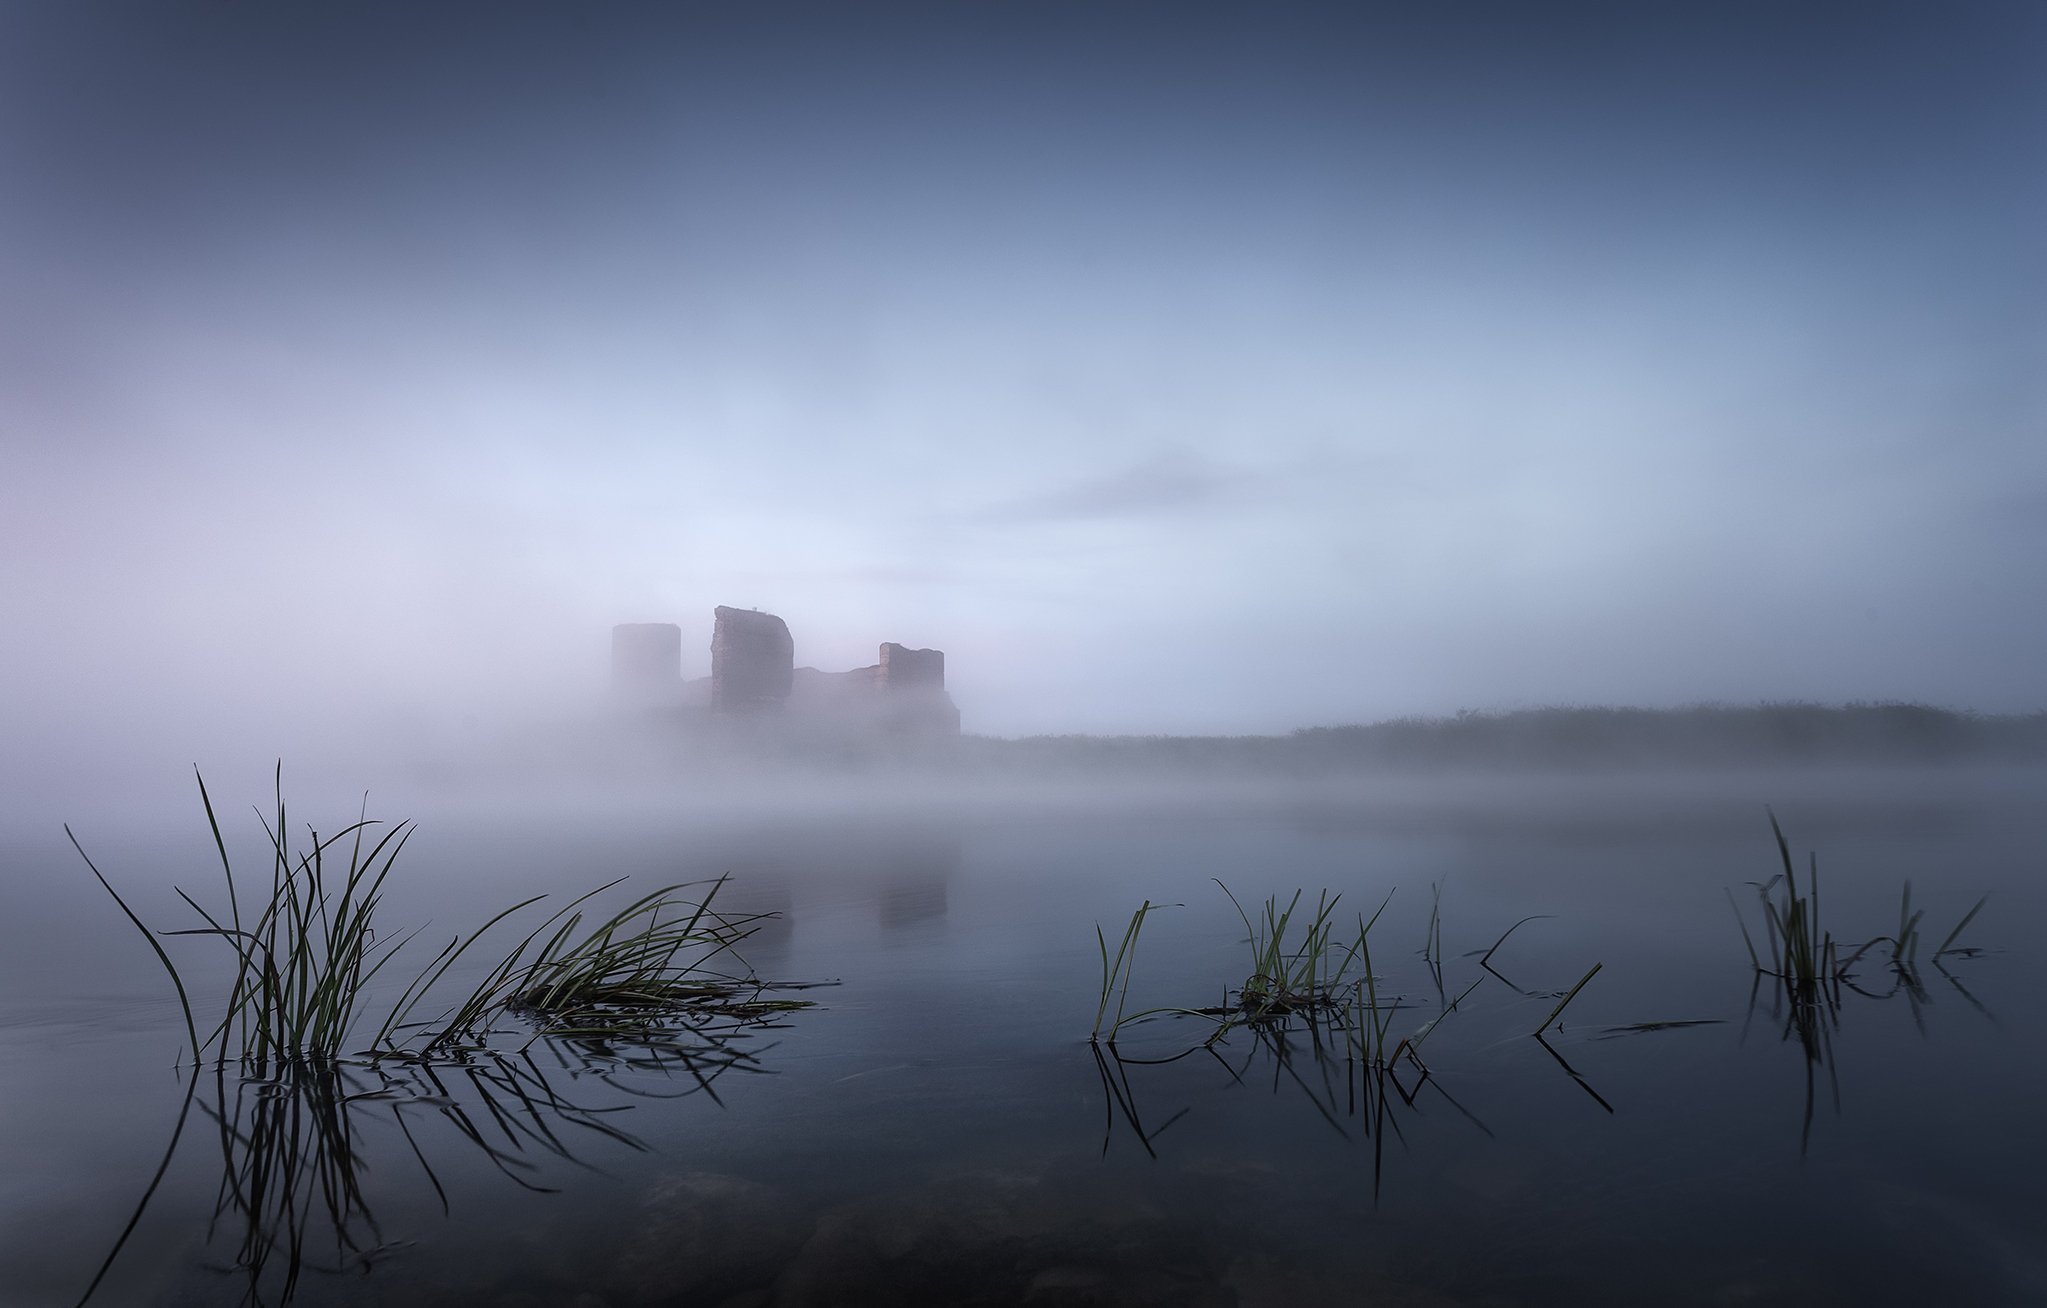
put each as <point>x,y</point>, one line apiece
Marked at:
<point>941,1126</point>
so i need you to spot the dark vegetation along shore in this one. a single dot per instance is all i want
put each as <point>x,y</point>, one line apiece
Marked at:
<point>1700,736</point>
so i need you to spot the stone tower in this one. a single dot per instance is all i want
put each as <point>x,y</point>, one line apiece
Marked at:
<point>753,661</point>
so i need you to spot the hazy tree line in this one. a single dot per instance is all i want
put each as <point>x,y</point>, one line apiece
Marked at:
<point>1698,736</point>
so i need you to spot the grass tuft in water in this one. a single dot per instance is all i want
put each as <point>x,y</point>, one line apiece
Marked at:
<point>1814,972</point>
<point>630,973</point>
<point>1807,958</point>
<point>1314,1010</point>
<point>1116,974</point>
<point>307,952</point>
<point>1294,975</point>
<point>1301,975</point>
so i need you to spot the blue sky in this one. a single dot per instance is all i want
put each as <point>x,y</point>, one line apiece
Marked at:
<point>1173,367</point>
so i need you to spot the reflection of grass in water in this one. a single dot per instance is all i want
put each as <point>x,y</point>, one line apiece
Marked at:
<point>633,992</point>
<point>1307,1060</point>
<point>293,1195</point>
<point>1302,974</point>
<point>1314,1010</point>
<point>306,954</point>
<point>1807,958</point>
<point>1814,974</point>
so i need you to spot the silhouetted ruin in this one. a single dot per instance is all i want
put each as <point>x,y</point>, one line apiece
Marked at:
<point>753,660</point>
<point>754,674</point>
<point>904,669</point>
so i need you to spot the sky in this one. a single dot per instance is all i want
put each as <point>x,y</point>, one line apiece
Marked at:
<point>1173,367</point>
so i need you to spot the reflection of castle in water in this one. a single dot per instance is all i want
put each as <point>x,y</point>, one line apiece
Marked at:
<point>899,872</point>
<point>754,673</point>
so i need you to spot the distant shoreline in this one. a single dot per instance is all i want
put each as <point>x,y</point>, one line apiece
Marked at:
<point>1698,735</point>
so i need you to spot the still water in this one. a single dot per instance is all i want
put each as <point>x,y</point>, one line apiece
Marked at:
<point>940,1129</point>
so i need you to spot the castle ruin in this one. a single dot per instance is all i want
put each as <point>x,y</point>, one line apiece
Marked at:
<point>754,673</point>
<point>753,660</point>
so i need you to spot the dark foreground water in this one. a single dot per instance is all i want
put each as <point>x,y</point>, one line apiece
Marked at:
<point>941,1130</point>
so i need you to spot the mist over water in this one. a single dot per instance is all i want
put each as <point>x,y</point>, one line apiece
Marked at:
<point>1491,458</point>
<point>948,1070</point>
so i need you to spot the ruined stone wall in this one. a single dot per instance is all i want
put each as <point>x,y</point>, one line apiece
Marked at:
<point>912,682</point>
<point>904,669</point>
<point>753,660</point>
<point>753,669</point>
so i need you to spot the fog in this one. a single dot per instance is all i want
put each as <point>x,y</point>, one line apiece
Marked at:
<point>1175,369</point>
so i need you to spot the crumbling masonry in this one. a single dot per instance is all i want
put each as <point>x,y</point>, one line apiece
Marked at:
<point>753,672</point>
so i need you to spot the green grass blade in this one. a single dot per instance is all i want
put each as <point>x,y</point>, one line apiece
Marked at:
<point>1565,1001</point>
<point>1967,918</point>
<point>1745,940</point>
<point>184,1001</point>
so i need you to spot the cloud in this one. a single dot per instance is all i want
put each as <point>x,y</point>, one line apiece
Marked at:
<point>1171,483</point>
